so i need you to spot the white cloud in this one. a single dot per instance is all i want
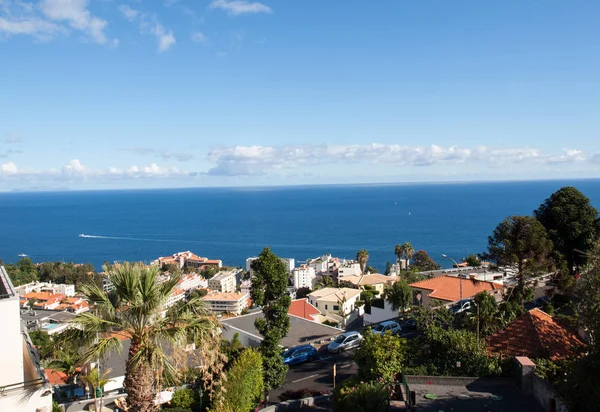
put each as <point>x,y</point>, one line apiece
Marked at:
<point>165,37</point>
<point>129,13</point>
<point>199,37</point>
<point>165,155</point>
<point>9,168</point>
<point>77,15</point>
<point>261,160</point>
<point>32,26</point>
<point>237,7</point>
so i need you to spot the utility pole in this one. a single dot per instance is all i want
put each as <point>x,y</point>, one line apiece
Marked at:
<point>334,373</point>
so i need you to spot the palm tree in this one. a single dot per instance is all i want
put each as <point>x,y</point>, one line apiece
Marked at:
<point>398,295</point>
<point>362,257</point>
<point>399,252</point>
<point>136,314</point>
<point>408,252</point>
<point>97,381</point>
<point>324,282</point>
<point>68,362</point>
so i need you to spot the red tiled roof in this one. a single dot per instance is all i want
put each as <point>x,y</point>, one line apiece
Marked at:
<point>303,309</point>
<point>535,335</point>
<point>55,377</point>
<point>448,287</point>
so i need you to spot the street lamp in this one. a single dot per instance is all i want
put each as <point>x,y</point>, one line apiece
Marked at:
<point>459,277</point>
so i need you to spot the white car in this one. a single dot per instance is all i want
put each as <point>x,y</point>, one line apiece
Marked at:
<point>346,340</point>
<point>388,326</point>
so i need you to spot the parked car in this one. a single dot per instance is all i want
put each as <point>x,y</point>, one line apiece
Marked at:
<point>411,323</point>
<point>461,306</point>
<point>388,326</point>
<point>345,341</point>
<point>299,354</point>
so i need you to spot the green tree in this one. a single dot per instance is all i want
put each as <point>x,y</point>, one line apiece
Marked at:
<point>388,269</point>
<point>473,261</point>
<point>244,384</point>
<point>198,293</point>
<point>136,316</point>
<point>371,269</point>
<point>232,349</point>
<point>69,362</point>
<point>97,381</point>
<point>423,262</point>
<point>409,250</point>
<point>269,290</point>
<point>362,257</point>
<point>399,295</point>
<point>521,241</point>
<point>301,293</point>
<point>571,222</point>
<point>483,314</point>
<point>380,356</point>
<point>43,342</point>
<point>587,304</point>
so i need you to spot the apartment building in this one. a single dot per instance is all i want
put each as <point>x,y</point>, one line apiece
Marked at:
<point>303,277</point>
<point>23,384</point>
<point>223,281</point>
<point>330,301</point>
<point>188,258</point>
<point>222,302</point>
<point>349,268</point>
<point>58,288</point>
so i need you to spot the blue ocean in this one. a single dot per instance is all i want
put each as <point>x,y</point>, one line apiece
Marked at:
<point>235,223</point>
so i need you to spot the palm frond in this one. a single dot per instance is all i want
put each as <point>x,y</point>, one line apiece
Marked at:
<point>102,347</point>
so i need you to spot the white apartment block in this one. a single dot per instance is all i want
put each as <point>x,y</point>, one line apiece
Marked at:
<point>54,288</point>
<point>349,268</point>
<point>192,281</point>
<point>223,281</point>
<point>23,385</point>
<point>219,302</point>
<point>331,300</point>
<point>304,277</point>
<point>246,286</point>
<point>174,297</point>
<point>320,264</point>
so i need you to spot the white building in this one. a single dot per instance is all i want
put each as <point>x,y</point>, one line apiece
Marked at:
<point>219,302</point>
<point>349,268</point>
<point>192,281</point>
<point>246,286</point>
<point>223,281</point>
<point>304,277</point>
<point>23,384</point>
<point>54,288</point>
<point>320,264</point>
<point>174,297</point>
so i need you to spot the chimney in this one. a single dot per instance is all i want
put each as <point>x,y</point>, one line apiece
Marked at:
<point>473,276</point>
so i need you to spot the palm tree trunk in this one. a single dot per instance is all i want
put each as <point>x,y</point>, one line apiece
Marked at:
<point>138,383</point>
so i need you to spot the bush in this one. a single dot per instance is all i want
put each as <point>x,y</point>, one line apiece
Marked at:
<point>56,407</point>
<point>355,396</point>
<point>380,356</point>
<point>299,394</point>
<point>186,399</point>
<point>244,385</point>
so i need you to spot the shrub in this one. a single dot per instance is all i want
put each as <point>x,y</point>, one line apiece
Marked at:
<point>355,396</point>
<point>56,407</point>
<point>185,399</point>
<point>244,385</point>
<point>380,356</point>
<point>299,394</point>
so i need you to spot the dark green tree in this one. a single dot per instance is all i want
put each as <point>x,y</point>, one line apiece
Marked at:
<point>324,281</point>
<point>301,293</point>
<point>423,262</point>
<point>399,295</point>
<point>473,260</point>
<point>409,251</point>
<point>269,290</point>
<point>244,384</point>
<point>571,222</point>
<point>521,241</point>
<point>43,342</point>
<point>362,257</point>
<point>483,314</point>
<point>388,269</point>
<point>371,269</point>
<point>399,252</point>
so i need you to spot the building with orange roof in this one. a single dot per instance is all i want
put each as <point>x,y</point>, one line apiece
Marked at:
<point>55,377</point>
<point>231,302</point>
<point>376,280</point>
<point>535,335</point>
<point>187,258</point>
<point>447,289</point>
<point>43,300</point>
<point>303,309</point>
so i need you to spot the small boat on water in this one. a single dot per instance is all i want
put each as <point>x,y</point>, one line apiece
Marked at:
<point>22,255</point>
<point>81,235</point>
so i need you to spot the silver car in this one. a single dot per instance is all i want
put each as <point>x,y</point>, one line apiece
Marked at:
<point>346,340</point>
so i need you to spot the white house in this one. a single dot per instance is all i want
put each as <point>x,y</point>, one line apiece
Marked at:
<point>192,281</point>
<point>304,277</point>
<point>53,288</point>
<point>245,286</point>
<point>320,264</point>
<point>349,268</point>
<point>223,281</point>
<point>23,383</point>
<point>331,300</point>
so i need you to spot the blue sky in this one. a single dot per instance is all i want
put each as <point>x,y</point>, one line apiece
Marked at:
<point>165,93</point>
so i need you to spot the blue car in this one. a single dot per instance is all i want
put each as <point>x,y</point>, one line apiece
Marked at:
<point>299,354</point>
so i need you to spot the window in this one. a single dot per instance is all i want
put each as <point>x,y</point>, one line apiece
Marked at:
<point>325,307</point>
<point>336,307</point>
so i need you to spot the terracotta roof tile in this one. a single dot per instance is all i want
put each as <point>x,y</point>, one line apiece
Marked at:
<point>448,287</point>
<point>535,335</point>
<point>303,309</point>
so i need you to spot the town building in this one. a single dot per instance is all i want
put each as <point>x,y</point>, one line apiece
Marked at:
<point>304,277</point>
<point>74,305</point>
<point>348,268</point>
<point>535,335</point>
<point>320,264</point>
<point>224,281</point>
<point>191,281</point>
<point>23,383</point>
<point>53,288</point>
<point>226,302</point>
<point>335,302</point>
<point>303,309</point>
<point>189,259</point>
<point>176,295</point>
<point>41,300</point>
<point>246,286</point>
<point>52,322</point>
<point>376,280</point>
<point>450,289</point>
